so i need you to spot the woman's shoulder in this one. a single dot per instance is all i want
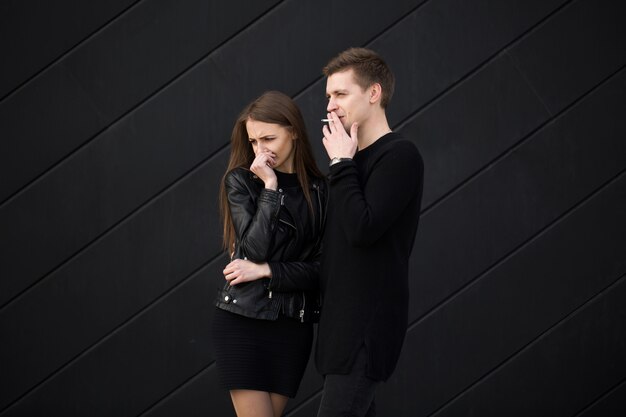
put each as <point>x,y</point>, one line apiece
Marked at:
<point>237,176</point>
<point>242,180</point>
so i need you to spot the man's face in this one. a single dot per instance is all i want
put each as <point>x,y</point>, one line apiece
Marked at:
<point>347,99</point>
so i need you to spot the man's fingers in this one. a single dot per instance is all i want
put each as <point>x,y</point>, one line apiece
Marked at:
<point>354,130</point>
<point>331,124</point>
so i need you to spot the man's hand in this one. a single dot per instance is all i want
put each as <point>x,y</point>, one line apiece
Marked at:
<point>241,270</point>
<point>336,140</point>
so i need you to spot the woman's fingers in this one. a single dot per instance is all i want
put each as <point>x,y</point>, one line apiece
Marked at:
<point>263,161</point>
<point>241,270</point>
<point>233,271</point>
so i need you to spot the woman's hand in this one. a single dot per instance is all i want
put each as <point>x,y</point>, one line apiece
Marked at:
<point>262,167</point>
<point>240,270</point>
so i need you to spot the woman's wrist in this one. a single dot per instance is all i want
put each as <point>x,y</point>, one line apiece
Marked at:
<point>266,271</point>
<point>271,184</point>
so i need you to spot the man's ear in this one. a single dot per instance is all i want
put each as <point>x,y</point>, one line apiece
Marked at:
<point>376,92</point>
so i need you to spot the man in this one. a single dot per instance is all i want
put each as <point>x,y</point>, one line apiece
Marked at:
<point>374,206</point>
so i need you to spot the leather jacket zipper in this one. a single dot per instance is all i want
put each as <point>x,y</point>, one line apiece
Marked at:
<point>302,309</point>
<point>282,203</point>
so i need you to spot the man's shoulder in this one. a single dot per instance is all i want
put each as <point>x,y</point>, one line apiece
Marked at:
<point>401,145</point>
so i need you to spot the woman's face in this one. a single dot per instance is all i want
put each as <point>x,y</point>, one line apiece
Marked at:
<point>274,138</point>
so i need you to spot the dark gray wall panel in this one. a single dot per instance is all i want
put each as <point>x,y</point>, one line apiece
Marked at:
<point>139,363</point>
<point>110,281</point>
<point>611,404</point>
<point>467,127</point>
<point>511,201</point>
<point>103,182</point>
<point>449,38</point>
<point>199,397</point>
<point>297,26</point>
<point>107,76</point>
<point>473,125</point>
<point>488,322</point>
<point>557,375</point>
<point>584,43</point>
<point>434,55</point>
<point>35,33</point>
<point>29,144</point>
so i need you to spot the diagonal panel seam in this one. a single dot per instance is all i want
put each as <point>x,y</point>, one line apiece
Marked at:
<point>110,334</point>
<point>69,50</point>
<point>367,43</point>
<point>480,66</point>
<point>136,106</point>
<point>304,403</point>
<point>530,85</point>
<point>513,252</point>
<point>181,386</point>
<point>144,206</point>
<point>519,143</point>
<point>602,397</point>
<point>534,341</point>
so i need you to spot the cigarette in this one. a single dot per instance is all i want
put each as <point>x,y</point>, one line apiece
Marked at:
<point>327,120</point>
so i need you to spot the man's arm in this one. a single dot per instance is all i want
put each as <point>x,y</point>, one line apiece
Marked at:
<point>369,212</point>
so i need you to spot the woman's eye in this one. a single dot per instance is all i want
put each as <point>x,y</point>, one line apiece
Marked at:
<point>252,141</point>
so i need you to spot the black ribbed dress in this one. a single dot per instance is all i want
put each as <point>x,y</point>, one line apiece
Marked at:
<point>263,355</point>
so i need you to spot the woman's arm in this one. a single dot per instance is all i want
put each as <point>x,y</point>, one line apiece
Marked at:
<point>255,225</point>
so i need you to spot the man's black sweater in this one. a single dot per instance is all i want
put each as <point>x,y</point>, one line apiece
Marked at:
<point>372,218</point>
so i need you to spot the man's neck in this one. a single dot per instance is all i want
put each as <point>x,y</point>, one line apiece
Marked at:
<point>373,129</point>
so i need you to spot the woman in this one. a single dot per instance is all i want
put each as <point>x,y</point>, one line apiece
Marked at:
<point>273,202</point>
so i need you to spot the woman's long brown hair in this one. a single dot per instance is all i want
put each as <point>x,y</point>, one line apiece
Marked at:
<point>277,108</point>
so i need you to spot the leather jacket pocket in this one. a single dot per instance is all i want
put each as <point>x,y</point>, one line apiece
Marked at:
<point>250,299</point>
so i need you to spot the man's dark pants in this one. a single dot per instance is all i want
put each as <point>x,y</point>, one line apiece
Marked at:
<point>350,395</point>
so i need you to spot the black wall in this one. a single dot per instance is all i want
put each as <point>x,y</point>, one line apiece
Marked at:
<point>114,124</point>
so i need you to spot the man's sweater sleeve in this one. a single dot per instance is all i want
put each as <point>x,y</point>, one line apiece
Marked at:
<point>394,179</point>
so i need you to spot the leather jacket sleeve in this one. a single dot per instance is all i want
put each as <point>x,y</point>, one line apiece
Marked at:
<point>255,224</point>
<point>295,276</point>
<point>301,275</point>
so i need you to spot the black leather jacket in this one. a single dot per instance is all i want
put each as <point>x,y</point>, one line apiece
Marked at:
<point>266,227</point>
